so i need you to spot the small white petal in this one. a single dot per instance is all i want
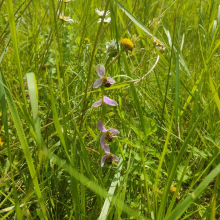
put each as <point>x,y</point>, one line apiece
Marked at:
<point>101,13</point>
<point>107,20</point>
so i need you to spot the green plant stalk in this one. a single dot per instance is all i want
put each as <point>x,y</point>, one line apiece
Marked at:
<point>118,55</point>
<point>162,159</point>
<point>58,58</point>
<point>83,194</point>
<point>179,185</point>
<point>33,94</point>
<point>103,104</point>
<point>141,120</point>
<point>85,15</point>
<point>15,45</point>
<point>177,88</point>
<point>74,182</point>
<point>173,171</point>
<point>214,198</point>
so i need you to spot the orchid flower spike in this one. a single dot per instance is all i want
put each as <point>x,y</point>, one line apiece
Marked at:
<point>106,100</point>
<point>109,157</point>
<point>106,81</point>
<point>108,134</point>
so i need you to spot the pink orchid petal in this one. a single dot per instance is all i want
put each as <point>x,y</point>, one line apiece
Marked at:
<point>109,101</point>
<point>110,80</point>
<point>114,131</point>
<point>101,126</point>
<point>106,149</point>
<point>102,141</point>
<point>100,70</point>
<point>98,103</point>
<point>103,160</point>
<point>97,83</point>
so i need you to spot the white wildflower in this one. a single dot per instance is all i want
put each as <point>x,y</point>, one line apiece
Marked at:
<point>105,20</point>
<point>101,13</point>
<point>65,18</point>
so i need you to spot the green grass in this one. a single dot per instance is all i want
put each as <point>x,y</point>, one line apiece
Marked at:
<point>167,90</point>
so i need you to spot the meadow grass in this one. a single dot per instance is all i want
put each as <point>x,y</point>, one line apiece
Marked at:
<point>167,92</point>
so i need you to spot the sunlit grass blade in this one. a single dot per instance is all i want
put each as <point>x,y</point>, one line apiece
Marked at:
<point>15,45</point>
<point>141,122</point>
<point>104,213</point>
<point>33,94</point>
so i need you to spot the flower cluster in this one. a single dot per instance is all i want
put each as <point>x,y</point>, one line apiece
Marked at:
<point>101,14</point>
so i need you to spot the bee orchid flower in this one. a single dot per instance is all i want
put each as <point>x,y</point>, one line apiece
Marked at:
<point>109,157</point>
<point>108,134</point>
<point>106,81</point>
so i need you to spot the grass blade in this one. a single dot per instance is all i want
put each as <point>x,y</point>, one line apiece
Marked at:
<point>182,207</point>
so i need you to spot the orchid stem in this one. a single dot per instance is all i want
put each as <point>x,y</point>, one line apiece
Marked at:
<point>103,104</point>
<point>119,54</point>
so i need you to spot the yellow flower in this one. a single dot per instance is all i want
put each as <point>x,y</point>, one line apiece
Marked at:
<point>87,40</point>
<point>127,44</point>
<point>1,142</point>
<point>173,190</point>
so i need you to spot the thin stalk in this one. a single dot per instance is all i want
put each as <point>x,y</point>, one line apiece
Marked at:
<point>119,54</point>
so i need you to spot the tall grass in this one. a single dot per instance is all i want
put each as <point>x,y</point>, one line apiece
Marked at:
<point>167,90</point>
